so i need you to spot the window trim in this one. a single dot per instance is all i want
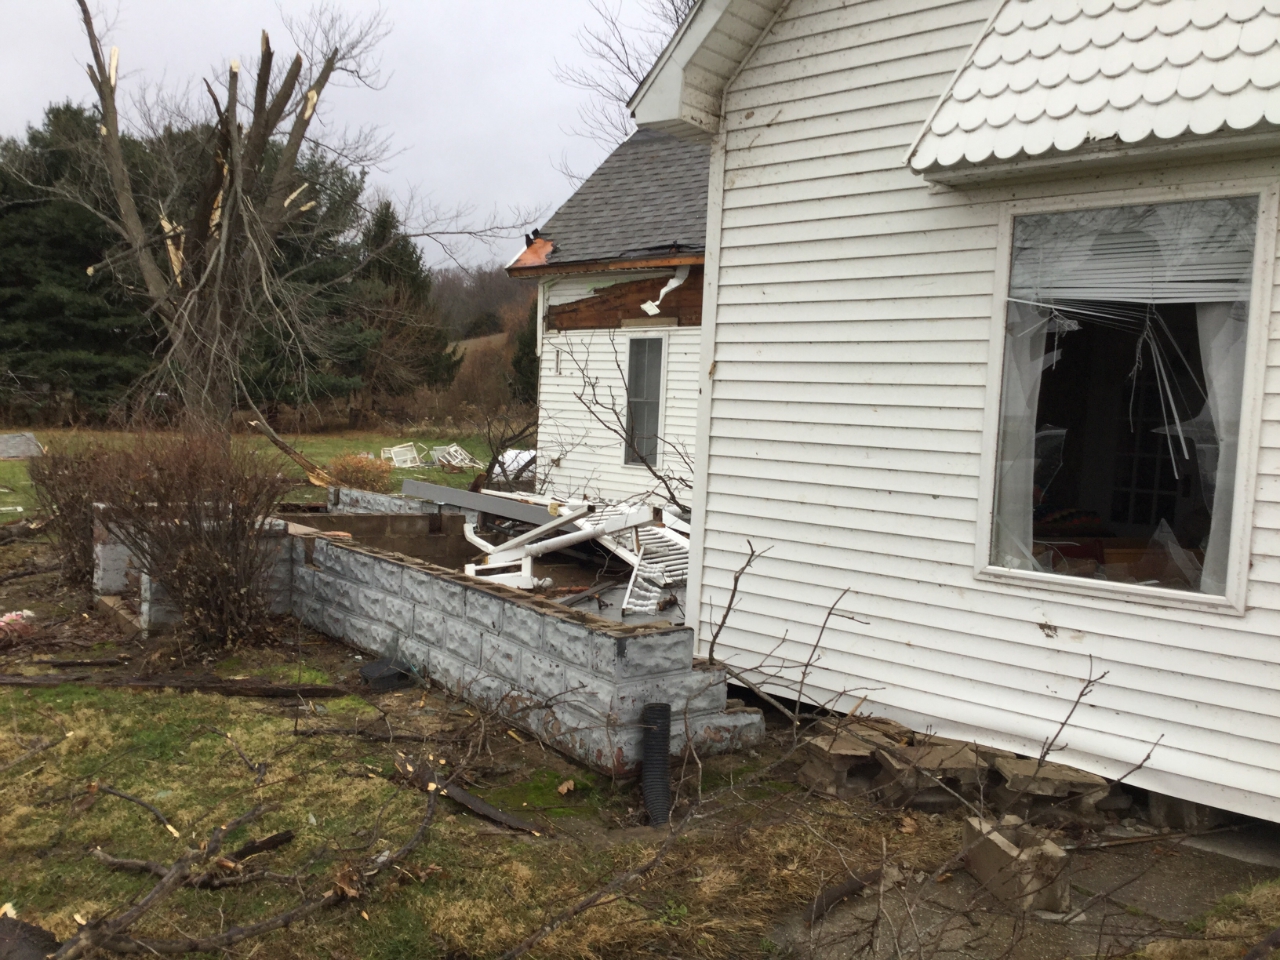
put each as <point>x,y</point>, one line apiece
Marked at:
<point>1268,193</point>
<point>651,333</point>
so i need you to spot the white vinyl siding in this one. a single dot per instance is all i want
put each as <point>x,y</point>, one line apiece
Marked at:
<point>576,454</point>
<point>852,335</point>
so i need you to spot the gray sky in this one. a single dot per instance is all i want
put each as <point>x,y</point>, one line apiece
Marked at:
<point>470,100</point>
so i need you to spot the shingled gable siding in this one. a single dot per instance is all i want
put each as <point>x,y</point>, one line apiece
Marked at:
<point>851,339</point>
<point>573,679</point>
<point>577,454</point>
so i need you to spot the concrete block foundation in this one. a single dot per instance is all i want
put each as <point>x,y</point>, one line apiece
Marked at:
<point>576,680</point>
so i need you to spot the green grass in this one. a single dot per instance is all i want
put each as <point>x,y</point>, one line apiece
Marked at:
<point>13,476</point>
<point>540,794</point>
<point>320,448</point>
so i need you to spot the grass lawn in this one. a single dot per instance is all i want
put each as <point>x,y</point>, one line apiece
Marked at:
<point>318,447</point>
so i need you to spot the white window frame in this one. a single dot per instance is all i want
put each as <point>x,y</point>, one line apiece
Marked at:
<point>651,333</point>
<point>1258,335</point>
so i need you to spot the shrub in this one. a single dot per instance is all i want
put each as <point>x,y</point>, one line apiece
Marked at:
<point>68,480</point>
<point>362,473</point>
<point>193,508</point>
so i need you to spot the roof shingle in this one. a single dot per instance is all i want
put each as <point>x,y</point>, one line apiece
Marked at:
<point>648,197</point>
<point>1054,74</point>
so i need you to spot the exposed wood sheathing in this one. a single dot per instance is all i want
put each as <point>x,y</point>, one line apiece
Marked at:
<point>614,304</point>
<point>852,329</point>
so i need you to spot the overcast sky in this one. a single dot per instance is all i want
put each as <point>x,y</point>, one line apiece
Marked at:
<point>470,101</point>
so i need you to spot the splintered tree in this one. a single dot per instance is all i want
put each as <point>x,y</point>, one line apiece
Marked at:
<point>200,241</point>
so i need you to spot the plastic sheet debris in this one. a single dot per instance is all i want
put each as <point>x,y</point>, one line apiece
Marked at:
<point>19,446</point>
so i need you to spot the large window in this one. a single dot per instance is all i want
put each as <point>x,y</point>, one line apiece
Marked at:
<point>644,399</point>
<point>1120,407</point>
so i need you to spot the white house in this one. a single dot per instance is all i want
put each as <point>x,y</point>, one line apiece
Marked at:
<point>619,269</point>
<point>988,342</point>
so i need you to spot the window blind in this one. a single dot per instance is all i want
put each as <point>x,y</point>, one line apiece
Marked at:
<point>1194,252</point>
<point>644,397</point>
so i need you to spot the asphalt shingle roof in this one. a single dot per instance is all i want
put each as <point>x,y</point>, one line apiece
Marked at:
<point>648,196</point>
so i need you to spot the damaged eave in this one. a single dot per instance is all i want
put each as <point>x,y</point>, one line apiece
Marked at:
<point>517,269</point>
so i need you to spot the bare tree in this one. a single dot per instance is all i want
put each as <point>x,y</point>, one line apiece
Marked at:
<point>225,202</point>
<point>619,55</point>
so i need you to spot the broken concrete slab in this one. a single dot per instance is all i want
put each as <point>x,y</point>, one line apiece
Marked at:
<point>928,777</point>
<point>1030,784</point>
<point>1047,779</point>
<point>1018,864</point>
<point>988,755</point>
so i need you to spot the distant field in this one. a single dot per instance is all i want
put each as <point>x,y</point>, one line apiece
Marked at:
<point>318,447</point>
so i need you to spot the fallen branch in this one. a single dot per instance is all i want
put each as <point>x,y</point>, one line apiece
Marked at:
<point>106,788</point>
<point>227,688</point>
<point>1263,948</point>
<point>106,933</point>
<point>259,770</point>
<point>362,734</point>
<point>119,661</point>
<point>594,899</point>
<point>38,748</point>
<point>836,893</point>
<point>316,476</point>
<point>28,572</point>
<point>421,776</point>
<point>212,880</point>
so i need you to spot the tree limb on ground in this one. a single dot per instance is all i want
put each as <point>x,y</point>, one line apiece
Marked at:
<point>228,688</point>
<point>28,572</point>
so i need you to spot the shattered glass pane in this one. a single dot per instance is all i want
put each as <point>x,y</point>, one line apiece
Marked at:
<point>1120,401</point>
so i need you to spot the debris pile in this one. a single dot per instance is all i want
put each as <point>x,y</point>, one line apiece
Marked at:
<point>876,757</point>
<point>1018,864</point>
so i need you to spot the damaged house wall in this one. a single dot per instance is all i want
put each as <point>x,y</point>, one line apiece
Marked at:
<point>854,334</point>
<point>583,376</point>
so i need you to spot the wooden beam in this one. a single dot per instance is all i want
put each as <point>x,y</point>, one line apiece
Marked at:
<point>601,266</point>
<point>607,309</point>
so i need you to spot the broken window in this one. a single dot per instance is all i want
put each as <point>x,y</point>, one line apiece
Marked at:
<point>644,396</point>
<point>1120,407</point>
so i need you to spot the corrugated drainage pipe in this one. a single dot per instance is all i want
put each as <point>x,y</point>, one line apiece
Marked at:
<point>655,772</point>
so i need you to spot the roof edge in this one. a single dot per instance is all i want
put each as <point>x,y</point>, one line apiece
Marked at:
<point>605,266</point>
<point>666,100</point>
<point>1102,155</point>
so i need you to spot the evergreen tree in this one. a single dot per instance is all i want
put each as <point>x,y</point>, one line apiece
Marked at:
<point>64,334</point>
<point>524,364</point>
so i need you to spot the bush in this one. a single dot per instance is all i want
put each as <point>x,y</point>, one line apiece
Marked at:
<point>193,509</point>
<point>68,480</point>
<point>362,473</point>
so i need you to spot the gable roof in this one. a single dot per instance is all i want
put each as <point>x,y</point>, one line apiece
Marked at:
<point>1053,76</point>
<point>647,201</point>
<point>682,92</point>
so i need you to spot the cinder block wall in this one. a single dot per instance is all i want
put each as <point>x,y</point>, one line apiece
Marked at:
<point>574,679</point>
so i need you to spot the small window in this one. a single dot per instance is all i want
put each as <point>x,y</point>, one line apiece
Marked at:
<point>644,395</point>
<point>1120,407</point>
